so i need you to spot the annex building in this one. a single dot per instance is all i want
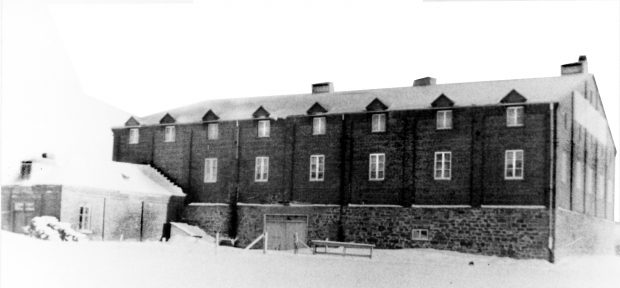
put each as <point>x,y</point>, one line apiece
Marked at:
<point>521,168</point>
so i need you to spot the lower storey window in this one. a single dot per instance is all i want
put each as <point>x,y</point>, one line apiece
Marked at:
<point>377,167</point>
<point>513,164</point>
<point>84,218</point>
<point>261,172</point>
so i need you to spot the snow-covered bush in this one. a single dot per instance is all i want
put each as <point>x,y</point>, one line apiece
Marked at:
<point>49,228</point>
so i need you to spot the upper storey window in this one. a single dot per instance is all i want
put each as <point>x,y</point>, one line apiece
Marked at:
<point>134,136</point>
<point>212,131</point>
<point>378,123</point>
<point>514,116</point>
<point>264,128</point>
<point>376,169</point>
<point>444,119</point>
<point>443,165</point>
<point>169,134</point>
<point>318,125</point>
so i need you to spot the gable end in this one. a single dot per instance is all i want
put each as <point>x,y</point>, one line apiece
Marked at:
<point>376,105</point>
<point>260,113</point>
<point>210,116</point>
<point>513,97</point>
<point>316,109</point>
<point>167,119</point>
<point>132,122</point>
<point>442,101</point>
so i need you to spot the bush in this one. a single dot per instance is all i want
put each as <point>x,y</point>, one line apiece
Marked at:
<point>49,228</point>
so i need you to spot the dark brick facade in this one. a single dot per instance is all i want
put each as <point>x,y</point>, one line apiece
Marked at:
<point>478,141</point>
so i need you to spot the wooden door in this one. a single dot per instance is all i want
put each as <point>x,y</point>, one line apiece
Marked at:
<point>281,230</point>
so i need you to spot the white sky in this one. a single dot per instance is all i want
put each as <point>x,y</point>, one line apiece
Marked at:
<point>146,56</point>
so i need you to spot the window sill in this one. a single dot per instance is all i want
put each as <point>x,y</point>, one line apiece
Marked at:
<point>84,231</point>
<point>513,178</point>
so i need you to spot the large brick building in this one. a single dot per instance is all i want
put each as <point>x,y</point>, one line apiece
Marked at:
<point>522,168</point>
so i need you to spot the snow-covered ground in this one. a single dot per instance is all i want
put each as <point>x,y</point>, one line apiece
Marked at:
<point>27,262</point>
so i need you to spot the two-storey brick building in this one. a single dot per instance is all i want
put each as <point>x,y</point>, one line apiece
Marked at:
<point>522,168</point>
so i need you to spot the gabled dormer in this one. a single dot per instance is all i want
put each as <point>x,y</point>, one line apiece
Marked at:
<point>260,113</point>
<point>442,102</point>
<point>167,119</point>
<point>210,116</point>
<point>132,122</point>
<point>376,105</point>
<point>316,109</point>
<point>513,97</point>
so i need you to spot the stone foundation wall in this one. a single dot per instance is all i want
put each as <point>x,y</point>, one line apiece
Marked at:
<point>577,233</point>
<point>209,217</point>
<point>518,233</point>
<point>512,232</point>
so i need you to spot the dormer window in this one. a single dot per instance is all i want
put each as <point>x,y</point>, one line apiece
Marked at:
<point>444,119</point>
<point>212,131</point>
<point>264,128</point>
<point>514,116</point>
<point>169,134</point>
<point>378,123</point>
<point>25,170</point>
<point>134,136</point>
<point>318,126</point>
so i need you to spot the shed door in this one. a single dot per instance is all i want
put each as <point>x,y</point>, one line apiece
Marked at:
<point>281,230</point>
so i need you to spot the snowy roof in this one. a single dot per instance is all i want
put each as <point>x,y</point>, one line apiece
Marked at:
<point>535,90</point>
<point>122,177</point>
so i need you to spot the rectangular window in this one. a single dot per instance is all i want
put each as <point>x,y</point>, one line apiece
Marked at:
<point>210,170</point>
<point>169,134</point>
<point>513,164</point>
<point>263,128</point>
<point>261,172</point>
<point>378,123</point>
<point>317,167</point>
<point>376,167</point>
<point>134,136</point>
<point>318,126</point>
<point>84,218</point>
<point>444,119</point>
<point>212,131</point>
<point>514,116</point>
<point>443,165</point>
<point>419,234</point>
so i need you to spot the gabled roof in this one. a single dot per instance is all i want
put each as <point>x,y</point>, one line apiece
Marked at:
<point>316,109</point>
<point>167,119</point>
<point>260,113</point>
<point>442,101</point>
<point>537,90</point>
<point>210,116</point>
<point>376,105</point>
<point>513,97</point>
<point>117,177</point>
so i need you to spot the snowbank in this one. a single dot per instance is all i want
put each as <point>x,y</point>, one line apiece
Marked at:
<point>196,264</point>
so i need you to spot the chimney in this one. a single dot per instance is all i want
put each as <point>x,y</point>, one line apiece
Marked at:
<point>426,81</point>
<point>25,170</point>
<point>576,68</point>
<point>326,87</point>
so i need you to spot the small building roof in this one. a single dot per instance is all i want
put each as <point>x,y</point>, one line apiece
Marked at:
<point>536,90</point>
<point>124,178</point>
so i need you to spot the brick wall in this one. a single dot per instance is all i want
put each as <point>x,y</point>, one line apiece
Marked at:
<point>478,141</point>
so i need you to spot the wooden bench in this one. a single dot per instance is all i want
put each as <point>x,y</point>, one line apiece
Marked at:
<point>336,244</point>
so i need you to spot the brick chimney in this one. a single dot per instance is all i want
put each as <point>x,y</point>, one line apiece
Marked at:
<point>426,81</point>
<point>576,68</point>
<point>326,87</point>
